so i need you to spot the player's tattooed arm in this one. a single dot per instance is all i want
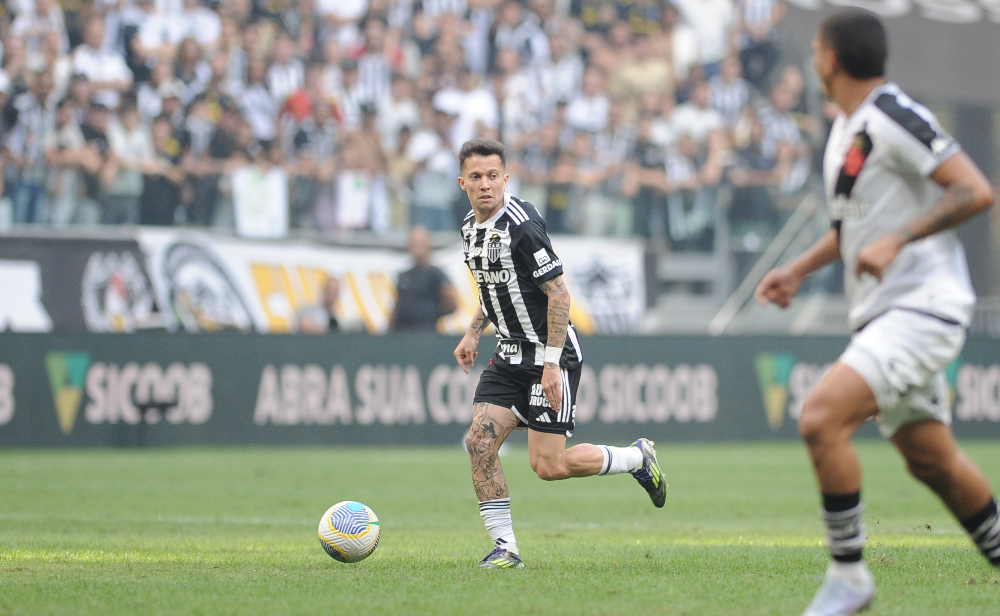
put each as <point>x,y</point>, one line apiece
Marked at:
<point>466,351</point>
<point>479,322</point>
<point>967,192</point>
<point>558,313</point>
<point>491,426</point>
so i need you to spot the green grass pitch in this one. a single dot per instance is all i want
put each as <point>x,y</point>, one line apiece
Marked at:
<point>233,531</point>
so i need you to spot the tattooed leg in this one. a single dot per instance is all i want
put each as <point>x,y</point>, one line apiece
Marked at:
<point>491,425</point>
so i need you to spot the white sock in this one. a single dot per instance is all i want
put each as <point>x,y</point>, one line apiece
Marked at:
<point>620,459</point>
<point>496,516</point>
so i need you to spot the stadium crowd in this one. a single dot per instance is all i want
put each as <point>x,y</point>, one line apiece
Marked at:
<point>620,116</point>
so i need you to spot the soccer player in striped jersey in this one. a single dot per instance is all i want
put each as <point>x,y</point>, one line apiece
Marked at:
<point>532,378</point>
<point>897,185</point>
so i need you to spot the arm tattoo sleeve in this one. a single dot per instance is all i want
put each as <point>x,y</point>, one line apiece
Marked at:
<point>558,313</point>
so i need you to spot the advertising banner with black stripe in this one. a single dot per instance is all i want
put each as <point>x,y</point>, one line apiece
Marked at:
<point>183,280</point>
<point>149,389</point>
<point>75,285</point>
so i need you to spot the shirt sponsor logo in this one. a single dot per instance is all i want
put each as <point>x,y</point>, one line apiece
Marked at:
<point>542,257</point>
<point>842,208</point>
<point>491,276</point>
<point>546,268</point>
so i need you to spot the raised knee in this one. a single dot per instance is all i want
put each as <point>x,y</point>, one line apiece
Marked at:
<point>813,425</point>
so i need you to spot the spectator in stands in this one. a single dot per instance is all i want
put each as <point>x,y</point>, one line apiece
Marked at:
<point>68,156</point>
<point>645,180</point>
<point>424,292</point>
<point>713,22</point>
<point>589,111</point>
<point>728,92</point>
<point>758,49</point>
<point>286,73</point>
<point>130,151</point>
<point>200,23</point>
<point>24,149</point>
<point>434,186</point>
<point>162,176</point>
<point>677,41</point>
<point>104,68</point>
<point>321,318</point>
<point>696,118</point>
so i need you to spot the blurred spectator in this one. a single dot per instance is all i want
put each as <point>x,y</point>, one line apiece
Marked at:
<point>362,104</point>
<point>645,179</point>
<point>696,118</point>
<point>321,318</point>
<point>713,21</point>
<point>424,292</point>
<point>729,93</point>
<point>131,149</point>
<point>104,68</point>
<point>435,188</point>
<point>68,158</point>
<point>24,149</point>
<point>758,50</point>
<point>162,176</point>
<point>589,110</point>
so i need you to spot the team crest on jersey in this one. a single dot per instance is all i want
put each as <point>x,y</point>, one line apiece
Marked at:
<point>493,245</point>
<point>854,162</point>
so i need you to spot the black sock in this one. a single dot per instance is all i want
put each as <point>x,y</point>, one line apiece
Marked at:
<point>845,532</point>
<point>984,528</point>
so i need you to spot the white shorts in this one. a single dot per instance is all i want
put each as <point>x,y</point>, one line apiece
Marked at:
<point>902,355</point>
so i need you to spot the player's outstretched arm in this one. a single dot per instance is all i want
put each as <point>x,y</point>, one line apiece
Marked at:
<point>558,322</point>
<point>780,285</point>
<point>466,351</point>
<point>967,193</point>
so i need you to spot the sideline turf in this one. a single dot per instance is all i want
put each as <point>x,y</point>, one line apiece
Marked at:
<point>233,531</point>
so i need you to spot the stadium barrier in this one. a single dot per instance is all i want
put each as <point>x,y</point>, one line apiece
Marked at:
<point>157,389</point>
<point>145,278</point>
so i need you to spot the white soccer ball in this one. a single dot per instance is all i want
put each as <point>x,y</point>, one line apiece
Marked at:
<point>349,531</point>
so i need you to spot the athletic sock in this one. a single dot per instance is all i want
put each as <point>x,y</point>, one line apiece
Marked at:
<point>620,459</point>
<point>496,516</point>
<point>845,532</point>
<point>984,528</point>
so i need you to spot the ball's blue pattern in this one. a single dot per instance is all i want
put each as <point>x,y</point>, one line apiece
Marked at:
<point>333,552</point>
<point>351,519</point>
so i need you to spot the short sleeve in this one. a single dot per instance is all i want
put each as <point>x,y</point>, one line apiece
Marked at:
<point>534,249</point>
<point>918,140</point>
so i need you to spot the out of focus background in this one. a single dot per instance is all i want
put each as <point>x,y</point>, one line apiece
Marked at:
<point>250,167</point>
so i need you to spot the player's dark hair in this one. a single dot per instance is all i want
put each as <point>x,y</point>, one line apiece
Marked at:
<point>482,147</point>
<point>858,39</point>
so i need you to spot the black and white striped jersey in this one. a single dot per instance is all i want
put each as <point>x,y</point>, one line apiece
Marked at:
<point>509,256</point>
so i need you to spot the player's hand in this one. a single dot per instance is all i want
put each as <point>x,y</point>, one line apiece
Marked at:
<point>552,386</point>
<point>466,351</point>
<point>778,286</point>
<point>876,257</point>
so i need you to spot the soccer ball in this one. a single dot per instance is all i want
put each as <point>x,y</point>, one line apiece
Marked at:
<point>349,531</point>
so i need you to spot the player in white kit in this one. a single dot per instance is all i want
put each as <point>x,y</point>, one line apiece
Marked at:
<point>897,185</point>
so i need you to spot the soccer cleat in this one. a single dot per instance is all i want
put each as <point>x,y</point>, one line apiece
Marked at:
<point>839,596</point>
<point>649,475</point>
<point>500,558</point>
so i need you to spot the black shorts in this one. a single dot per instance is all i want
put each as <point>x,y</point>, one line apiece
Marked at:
<point>519,388</point>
